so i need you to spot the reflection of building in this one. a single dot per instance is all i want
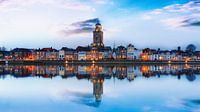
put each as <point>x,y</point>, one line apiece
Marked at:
<point>98,88</point>
<point>130,73</point>
<point>121,72</point>
<point>146,70</point>
<point>97,73</point>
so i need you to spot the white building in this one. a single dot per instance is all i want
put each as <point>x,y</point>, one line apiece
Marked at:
<point>61,54</point>
<point>67,54</point>
<point>133,53</point>
<point>137,54</point>
<point>130,52</point>
<point>82,55</point>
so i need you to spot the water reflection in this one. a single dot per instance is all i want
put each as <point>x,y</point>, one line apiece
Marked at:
<point>98,73</point>
<point>85,99</point>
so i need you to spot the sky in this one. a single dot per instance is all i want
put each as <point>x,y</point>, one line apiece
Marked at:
<point>163,24</point>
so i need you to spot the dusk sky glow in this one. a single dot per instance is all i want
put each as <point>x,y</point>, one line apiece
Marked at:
<point>57,23</point>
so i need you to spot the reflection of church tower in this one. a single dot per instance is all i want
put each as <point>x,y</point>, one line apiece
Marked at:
<point>98,36</point>
<point>98,88</point>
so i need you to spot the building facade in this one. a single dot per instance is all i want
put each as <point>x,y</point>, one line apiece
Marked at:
<point>98,36</point>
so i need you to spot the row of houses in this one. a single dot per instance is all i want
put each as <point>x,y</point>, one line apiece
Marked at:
<point>80,53</point>
<point>101,53</point>
<point>166,55</point>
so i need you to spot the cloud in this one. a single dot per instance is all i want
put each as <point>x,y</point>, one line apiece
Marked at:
<point>182,21</point>
<point>192,6</point>
<point>103,2</point>
<point>82,98</point>
<point>191,105</point>
<point>86,23</point>
<point>80,27</point>
<point>192,21</point>
<point>178,15</point>
<point>173,22</point>
<point>195,23</point>
<point>69,4</point>
<point>2,1</point>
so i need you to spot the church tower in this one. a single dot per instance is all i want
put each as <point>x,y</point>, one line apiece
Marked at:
<point>98,36</point>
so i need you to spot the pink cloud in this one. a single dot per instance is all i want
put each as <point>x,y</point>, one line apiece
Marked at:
<point>178,15</point>
<point>70,4</point>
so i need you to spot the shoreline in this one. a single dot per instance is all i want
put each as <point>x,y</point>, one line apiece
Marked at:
<point>61,62</point>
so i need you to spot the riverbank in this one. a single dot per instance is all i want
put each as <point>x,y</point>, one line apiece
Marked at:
<point>58,62</point>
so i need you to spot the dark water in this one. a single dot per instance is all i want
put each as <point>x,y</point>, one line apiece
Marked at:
<point>98,88</point>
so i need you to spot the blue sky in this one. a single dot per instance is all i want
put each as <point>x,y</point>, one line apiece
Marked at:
<point>56,23</point>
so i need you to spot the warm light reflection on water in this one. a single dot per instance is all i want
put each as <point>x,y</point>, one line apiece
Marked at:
<point>98,88</point>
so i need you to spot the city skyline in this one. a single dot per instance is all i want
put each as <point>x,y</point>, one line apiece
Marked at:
<point>58,23</point>
<point>99,55</point>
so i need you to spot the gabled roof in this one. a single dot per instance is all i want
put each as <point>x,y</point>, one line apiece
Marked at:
<point>21,50</point>
<point>67,49</point>
<point>130,45</point>
<point>148,50</point>
<point>47,49</point>
<point>120,48</point>
<point>81,48</point>
<point>107,48</point>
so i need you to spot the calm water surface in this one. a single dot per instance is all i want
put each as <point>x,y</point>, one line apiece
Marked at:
<point>96,88</point>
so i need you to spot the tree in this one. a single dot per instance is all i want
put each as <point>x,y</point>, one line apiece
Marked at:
<point>190,77</point>
<point>2,49</point>
<point>191,48</point>
<point>179,48</point>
